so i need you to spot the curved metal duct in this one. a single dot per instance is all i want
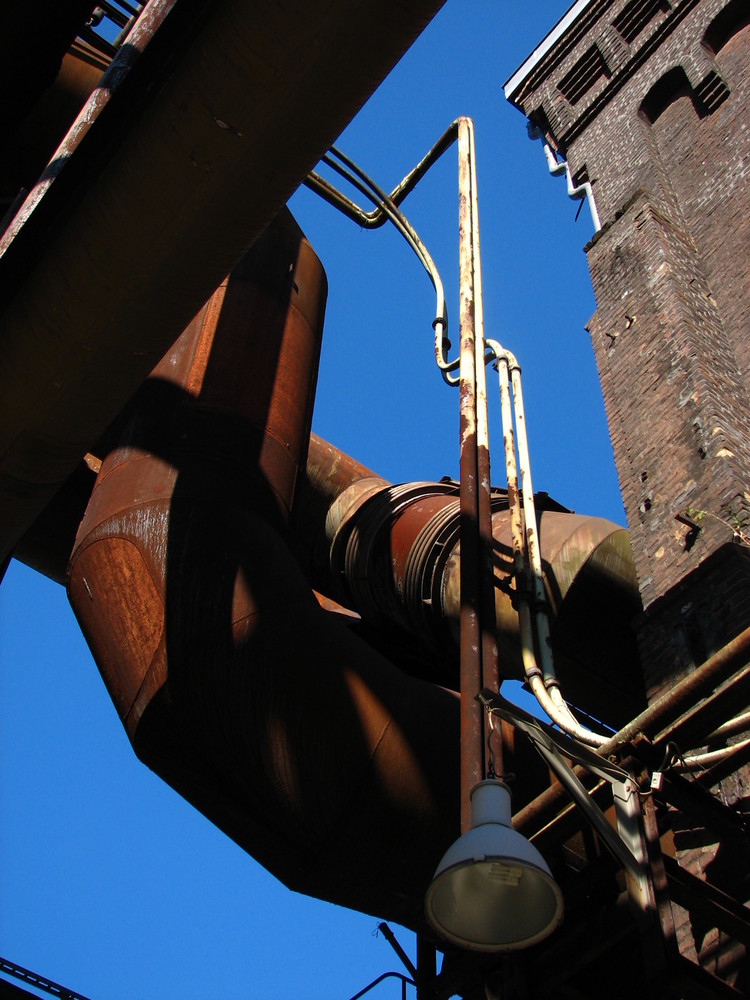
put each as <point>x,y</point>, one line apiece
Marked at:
<point>209,117</point>
<point>333,768</point>
<point>392,553</point>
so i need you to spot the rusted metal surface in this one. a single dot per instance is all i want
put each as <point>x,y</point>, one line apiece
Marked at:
<point>659,719</point>
<point>470,628</point>
<point>335,770</point>
<point>521,583</point>
<point>493,753</point>
<point>412,568</point>
<point>329,472</point>
<point>393,554</point>
<point>110,259</point>
<point>656,863</point>
<point>370,569</point>
<point>113,80</point>
<point>199,410</point>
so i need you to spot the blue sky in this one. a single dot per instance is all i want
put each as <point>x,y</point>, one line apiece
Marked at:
<point>109,882</point>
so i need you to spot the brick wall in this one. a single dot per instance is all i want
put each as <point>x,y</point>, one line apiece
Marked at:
<point>650,99</point>
<point>667,372</point>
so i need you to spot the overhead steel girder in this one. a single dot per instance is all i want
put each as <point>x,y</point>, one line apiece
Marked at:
<point>206,122</point>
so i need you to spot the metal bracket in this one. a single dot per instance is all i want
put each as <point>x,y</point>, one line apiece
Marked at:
<point>552,746</point>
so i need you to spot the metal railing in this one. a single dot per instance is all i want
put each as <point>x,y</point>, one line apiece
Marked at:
<point>37,982</point>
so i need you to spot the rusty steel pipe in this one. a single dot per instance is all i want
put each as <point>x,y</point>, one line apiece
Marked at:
<point>490,671</point>
<point>471,631</point>
<point>198,410</point>
<point>656,720</point>
<point>404,577</point>
<point>392,553</point>
<point>477,640</point>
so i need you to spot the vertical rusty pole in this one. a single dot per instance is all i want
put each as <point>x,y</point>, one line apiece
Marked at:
<point>477,639</point>
<point>490,675</point>
<point>470,633</point>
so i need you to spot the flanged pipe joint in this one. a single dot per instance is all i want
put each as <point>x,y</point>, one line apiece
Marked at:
<point>392,554</point>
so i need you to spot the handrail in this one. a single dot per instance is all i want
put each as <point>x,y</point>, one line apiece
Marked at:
<point>405,981</point>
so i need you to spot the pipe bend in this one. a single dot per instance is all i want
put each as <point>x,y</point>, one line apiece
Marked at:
<point>333,768</point>
<point>395,559</point>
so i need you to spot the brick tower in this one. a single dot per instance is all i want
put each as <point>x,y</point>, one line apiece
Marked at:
<point>647,101</point>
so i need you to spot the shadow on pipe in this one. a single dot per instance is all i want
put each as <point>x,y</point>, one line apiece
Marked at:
<point>392,553</point>
<point>338,772</point>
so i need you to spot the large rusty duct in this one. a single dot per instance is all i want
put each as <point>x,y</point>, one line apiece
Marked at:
<point>335,769</point>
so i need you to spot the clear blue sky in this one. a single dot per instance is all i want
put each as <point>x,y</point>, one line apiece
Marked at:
<point>109,882</point>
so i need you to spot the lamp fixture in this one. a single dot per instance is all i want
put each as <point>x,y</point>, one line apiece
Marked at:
<point>493,891</point>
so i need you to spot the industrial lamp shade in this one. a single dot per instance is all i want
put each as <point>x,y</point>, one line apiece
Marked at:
<point>493,890</point>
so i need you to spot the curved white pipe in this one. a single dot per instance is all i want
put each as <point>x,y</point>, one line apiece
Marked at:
<point>557,167</point>
<point>731,727</point>
<point>543,682</point>
<point>700,761</point>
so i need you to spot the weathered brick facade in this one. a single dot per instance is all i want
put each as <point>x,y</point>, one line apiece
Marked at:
<point>649,101</point>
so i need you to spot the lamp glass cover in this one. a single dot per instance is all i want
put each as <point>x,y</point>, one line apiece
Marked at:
<point>493,891</point>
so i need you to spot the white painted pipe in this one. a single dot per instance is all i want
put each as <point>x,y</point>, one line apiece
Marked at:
<point>557,167</point>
